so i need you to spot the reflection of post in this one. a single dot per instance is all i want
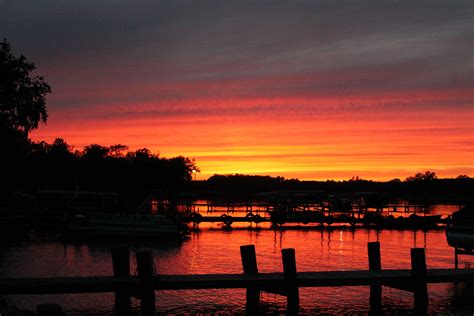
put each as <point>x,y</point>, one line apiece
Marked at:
<point>329,232</point>
<point>249,264</point>
<point>289,271</point>
<point>375,264</point>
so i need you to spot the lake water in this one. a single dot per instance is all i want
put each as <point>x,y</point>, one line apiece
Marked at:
<point>214,250</point>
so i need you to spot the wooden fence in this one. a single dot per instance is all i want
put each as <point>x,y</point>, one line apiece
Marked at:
<point>145,284</point>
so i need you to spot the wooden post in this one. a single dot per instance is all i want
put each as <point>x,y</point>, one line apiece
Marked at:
<point>121,266</point>
<point>146,275</point>
<point>249,259</point>
<point>249,264</point>
<point>375,264</point>
<point>289,272</point>
<point>456,259</point>
<point>418,271</point>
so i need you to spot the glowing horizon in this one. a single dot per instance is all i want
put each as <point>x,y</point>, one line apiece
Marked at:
<point>308,148</point>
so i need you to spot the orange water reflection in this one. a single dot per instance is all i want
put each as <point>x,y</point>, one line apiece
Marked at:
<point>217,251</point>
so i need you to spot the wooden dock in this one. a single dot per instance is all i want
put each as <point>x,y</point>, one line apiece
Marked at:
<point>146,283</point>
<point>224,218</point>
<point>303,211</point>
<point>314,217</point>
<point>292,204</point>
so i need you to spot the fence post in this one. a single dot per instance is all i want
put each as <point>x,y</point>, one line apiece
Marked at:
<point>290,274</point>
<point>146,276</point>
<point>249,259</point>
<point>249,264</point>
<point>418,271</point>
<point>375,264</point>
<point>121,267</point>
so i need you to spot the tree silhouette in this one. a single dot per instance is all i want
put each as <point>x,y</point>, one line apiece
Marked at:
<point>117,151</point>
<point>22,107</point>
<point>143,154</point>
<point>427,176</point>
<point>95,152</point>
<point>60,150</point>
<point>22,97</point>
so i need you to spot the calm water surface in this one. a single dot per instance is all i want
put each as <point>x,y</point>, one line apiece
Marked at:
<point>213,250</point>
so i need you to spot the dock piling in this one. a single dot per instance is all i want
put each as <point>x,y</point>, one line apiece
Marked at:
<point>121,267</point>
<point>146,276</point>
<point>249,264</point>
<point>289,272</point>
<point>375,264</point>
<point>249,259</point>
<point>420,289</point>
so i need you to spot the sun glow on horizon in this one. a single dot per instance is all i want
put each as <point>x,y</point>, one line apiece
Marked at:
<point>372,142</point>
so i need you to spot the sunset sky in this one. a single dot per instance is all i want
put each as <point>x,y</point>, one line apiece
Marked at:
<point>307,89</point>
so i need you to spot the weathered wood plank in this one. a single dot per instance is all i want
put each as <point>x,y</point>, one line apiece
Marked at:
<point>66,285</point>
<point>217,281</point>
<point>309,279</point>
<point>449,275</point>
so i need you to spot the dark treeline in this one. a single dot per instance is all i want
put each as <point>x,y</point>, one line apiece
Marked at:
<point>133,174</point>
<point>420,187</point>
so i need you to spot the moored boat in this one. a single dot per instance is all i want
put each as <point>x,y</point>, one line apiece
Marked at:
<point>125,226</point>
<point>460,232</point>
<point>97,219</point>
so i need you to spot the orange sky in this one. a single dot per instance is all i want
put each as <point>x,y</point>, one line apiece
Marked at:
<point>307,89</point>
<point>334,143</point>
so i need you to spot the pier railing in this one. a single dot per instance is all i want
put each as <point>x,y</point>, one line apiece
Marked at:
<point>145,284</point>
